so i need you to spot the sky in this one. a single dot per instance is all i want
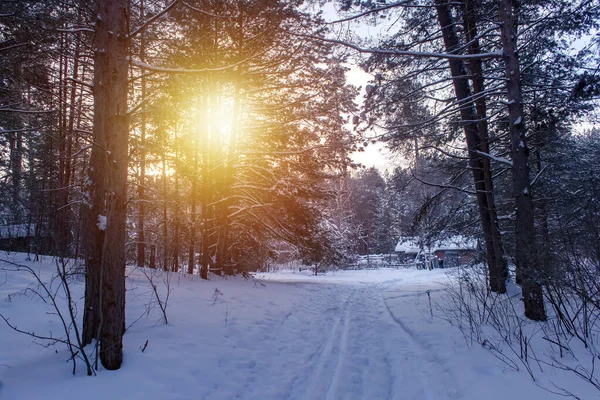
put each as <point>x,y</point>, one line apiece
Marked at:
<point>375,155</point>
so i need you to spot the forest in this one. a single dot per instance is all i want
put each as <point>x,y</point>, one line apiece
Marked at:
<point>219,138</point>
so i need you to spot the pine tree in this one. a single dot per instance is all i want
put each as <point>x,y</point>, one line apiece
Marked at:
<point>104,318</point>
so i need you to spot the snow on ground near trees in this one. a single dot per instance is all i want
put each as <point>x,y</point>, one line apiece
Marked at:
<point>347,335</point>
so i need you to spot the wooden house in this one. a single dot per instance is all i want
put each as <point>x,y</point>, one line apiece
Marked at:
<point>450,252</point>
<point>22,238</point>
<point>455,251</point>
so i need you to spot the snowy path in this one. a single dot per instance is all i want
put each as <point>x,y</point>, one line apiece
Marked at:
<point>361,335</point>
<point>342,342</point>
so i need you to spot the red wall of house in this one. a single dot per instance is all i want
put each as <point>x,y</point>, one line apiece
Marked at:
<point>465,257</point>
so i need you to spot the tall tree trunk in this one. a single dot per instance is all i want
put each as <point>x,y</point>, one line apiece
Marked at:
<point>60,219</point>
<point>165,209</point>
<point>205,261</point>
<point>223,225</point>
<point>526,252</point>
<point>16,155</point>
<point>223,242</point>
<point>76,168</point>
<point>473,139</point>
<point>193,201</point>
<point>543,216</point>
<point>496,255</point>
<point>16,171</point>
<point>177,211</point>
<point>64,237</point>
<point>104,317</point>
<point>215,152</point>
<point>141,238</point>
<point>200,133</point>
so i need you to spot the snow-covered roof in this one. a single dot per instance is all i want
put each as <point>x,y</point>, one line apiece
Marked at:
<point>408,245</point>
<point>458,242</point>
<point>16,231</point>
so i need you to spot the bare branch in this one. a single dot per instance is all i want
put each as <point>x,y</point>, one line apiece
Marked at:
<point>12,46</point>
<point>538,175</point>
<point>471,192</point>
<point>152,19</point>
<point>82,83</point>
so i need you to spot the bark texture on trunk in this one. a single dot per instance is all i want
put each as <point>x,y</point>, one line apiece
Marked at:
<point>526,251</point>
<point>496,254</point>
<point>107,185</point>
<point>473,138</point>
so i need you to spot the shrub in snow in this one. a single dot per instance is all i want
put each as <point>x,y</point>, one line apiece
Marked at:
<point>568,340</point>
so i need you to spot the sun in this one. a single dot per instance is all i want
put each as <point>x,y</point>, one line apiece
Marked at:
<point>215,121</point>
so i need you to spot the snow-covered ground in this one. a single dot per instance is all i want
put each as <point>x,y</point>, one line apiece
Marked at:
<point>347,335</point>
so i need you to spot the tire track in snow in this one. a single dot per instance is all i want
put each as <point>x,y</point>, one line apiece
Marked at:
<point>362,367</point>
<point>421,350</point>
<point>391,352</point>
<point>319,381</point>
<point>292,340</point>
<point>337,343</point>
<point>300,362</point>
<point>333,385</point>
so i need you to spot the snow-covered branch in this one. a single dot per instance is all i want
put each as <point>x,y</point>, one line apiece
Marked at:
<point>18,130</point>
<point>448,154</point>
<point>76,29</point>
<point>500,160</point>
<point>245,209</point>
<point>286,153</point>
<point>166,70</point>
<point>198,10</point>
<point>404,3</point>
<point>403,53</point>
<point>21,111</point>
